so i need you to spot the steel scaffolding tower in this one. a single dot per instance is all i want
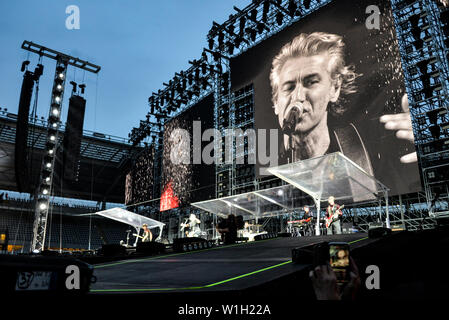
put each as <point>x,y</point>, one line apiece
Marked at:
<point>423,48</point>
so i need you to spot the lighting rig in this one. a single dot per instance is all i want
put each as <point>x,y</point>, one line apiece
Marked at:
<point>44,190</point>
<point>179,93</point>
<point>257,21</point>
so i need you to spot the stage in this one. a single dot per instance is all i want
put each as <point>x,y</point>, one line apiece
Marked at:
<point>226,268</point>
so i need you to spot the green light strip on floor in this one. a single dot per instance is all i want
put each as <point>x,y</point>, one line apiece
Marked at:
<point>192,288</point>
<point>177,254</point>
<point>357,240</point>
<point>206,286</point>
<point>247,274</point>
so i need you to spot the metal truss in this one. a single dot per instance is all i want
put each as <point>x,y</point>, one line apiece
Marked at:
<point>422,45</point>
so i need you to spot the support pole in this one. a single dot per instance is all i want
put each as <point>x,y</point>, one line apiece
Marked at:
<point>317,228</point>
<point>387,211</point>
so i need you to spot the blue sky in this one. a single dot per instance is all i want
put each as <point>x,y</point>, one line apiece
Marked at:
<point>138,44</point>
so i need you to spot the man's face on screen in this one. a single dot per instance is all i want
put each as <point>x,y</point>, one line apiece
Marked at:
<point>306,82</point>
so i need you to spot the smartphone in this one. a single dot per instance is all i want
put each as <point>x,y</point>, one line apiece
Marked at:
<point>339,260</point>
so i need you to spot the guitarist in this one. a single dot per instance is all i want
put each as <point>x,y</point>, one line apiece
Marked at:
<point>147,234</point>
<point>333,215</point>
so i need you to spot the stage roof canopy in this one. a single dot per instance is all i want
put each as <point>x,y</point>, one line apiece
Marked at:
<point>321,177</point>
<point>261,203</point>
<point>331,175</point>
<point>130,218</point>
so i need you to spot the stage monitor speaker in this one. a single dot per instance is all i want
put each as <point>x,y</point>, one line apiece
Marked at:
<point>284,234</point>
<point>302,255</point>
<point>73,135</point>
<point>378,232</point>
<point>189,244</point>
<point>21,150</point>
<point>113,250</point>
<point>150,248</point>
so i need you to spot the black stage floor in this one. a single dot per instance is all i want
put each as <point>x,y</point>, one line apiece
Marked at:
<point>234,267</point>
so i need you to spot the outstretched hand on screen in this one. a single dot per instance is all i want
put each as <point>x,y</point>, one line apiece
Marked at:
<point>401,123</point>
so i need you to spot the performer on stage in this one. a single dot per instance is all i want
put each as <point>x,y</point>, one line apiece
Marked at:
<point>193,225</point>
<point>228,229</point>
<point>333,215</point>
<point>147,234</point>
<point>307,221</point>
<point>307,214</point>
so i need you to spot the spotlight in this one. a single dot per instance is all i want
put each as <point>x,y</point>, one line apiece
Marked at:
<point>307,4</point>
<point>242,25</point>
<point>61,76</point>
<point>59,87</point>
<point>48,165</point>
<point>253,15</point>
<point>230,47</point>
<point>220,38</point>
<point>211,43</point>
<point>50,152</point>
<point>279,18</point>
<point>42,206</point>
<point>52,138</point>
<point>291,8</point>
<point>45,191</point>
<point>266,9</point>
<point>54,125</point>
<point>24,65</point>
<point>47,179</point>
<point>55,112</point>
<point>57,99</point>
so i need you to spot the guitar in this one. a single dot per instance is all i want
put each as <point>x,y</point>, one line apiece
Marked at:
<point>334,217</point>
<point>144,238</point>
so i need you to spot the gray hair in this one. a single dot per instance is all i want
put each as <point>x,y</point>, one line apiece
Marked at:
<point>306,45</point>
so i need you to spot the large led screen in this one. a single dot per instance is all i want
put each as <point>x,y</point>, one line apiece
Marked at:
<point>139,180</point>
<point>186,178</point>
<point>333,82</point>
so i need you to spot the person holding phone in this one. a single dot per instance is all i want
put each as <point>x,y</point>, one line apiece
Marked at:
<point>335,276</point>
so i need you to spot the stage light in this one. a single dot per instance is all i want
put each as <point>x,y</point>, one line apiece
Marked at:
<point>48,165</point>
<point>45,191</point>
<point>42,206</point>
<point>253,15</point>
<point>57,99</point>
<point>59,87</point>
<point>50,152</point>
<point>279,18</point>
<point>52,138</point>
<point>291,8</point>
<point>55,112</point>
<point>220,38</point>
<point>266,9</point>
<point>203,68</point>
<point>24,65</point>
<point>242,23</point>
<point>61,76</point>
<point>252,33</point>
<point>211,43</point>
<point>307,4</point>
<point>54,125</point>
<point>435,131</point>
<point>230,48</point>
